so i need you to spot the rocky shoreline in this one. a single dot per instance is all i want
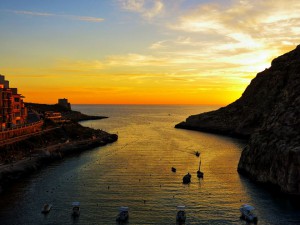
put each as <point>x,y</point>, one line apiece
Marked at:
<point>14,171</point>
<point>67,114</point>
<point>267,114</point>
<point>54,142</point>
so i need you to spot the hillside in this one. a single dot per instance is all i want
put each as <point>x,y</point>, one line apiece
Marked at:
<point>268,113</point>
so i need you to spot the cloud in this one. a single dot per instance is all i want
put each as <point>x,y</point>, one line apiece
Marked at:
<point>158,45</point>
<point>78,66</point>
<point>86,18</point>
<point>245,23</point>
<point>135,60</point>
<point>243,36</point>
<point>147,8</point>
<point>71,17</point>
<point>33,13</point>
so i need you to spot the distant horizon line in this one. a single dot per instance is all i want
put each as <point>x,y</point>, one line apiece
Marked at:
<point>187,104</point>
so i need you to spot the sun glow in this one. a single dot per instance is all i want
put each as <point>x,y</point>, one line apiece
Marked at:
<point>143,52</point>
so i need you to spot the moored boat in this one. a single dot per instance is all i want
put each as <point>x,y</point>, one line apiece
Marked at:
<point>247,213</point>
<point>187,178</point>
<point>75,209</point>
<point>180,216</point>
<point>199,173</point>
<point>46,208</point>
<point>123,214</point>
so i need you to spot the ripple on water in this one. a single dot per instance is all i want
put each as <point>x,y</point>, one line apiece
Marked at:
<point>136,171</point>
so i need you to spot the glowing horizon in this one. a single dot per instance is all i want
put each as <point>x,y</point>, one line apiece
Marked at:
<point>142,51</point>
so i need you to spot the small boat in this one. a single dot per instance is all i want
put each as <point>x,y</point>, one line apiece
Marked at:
<point>46,208</point>
<point>173,169</point>
<point>187,178</point>
<point>199,173</point>
<point>75,209</point>
<point>180,216</point>
<point>248,214</point>
<point>123,214</point>
<point>197,153</point>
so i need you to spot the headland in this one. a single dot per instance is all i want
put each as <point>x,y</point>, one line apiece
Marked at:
<point>267,114</point>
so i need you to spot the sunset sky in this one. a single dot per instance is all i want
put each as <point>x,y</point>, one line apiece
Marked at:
<point>142,51</point>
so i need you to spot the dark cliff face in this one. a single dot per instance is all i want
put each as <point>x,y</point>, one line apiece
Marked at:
<point>244,116</point>
<point>269,113</point>
<point>273,152</point>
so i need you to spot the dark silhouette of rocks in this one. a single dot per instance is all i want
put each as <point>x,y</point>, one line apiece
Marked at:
<point>66,113</point>
<point>55,141</point>
<point>268,113</point>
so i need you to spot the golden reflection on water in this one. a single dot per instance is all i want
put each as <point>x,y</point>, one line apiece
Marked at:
<point>136,172</point>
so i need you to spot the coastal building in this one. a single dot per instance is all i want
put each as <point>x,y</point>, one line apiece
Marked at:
<point>13,112</point>
<point>64,103</point>
<point>54,116</point>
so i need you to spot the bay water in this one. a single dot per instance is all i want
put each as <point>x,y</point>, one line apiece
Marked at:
<point>136,172</point>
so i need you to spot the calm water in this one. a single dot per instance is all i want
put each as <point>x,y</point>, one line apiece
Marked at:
<point>138,167</point>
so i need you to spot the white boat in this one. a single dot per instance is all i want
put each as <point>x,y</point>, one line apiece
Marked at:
<point>75,209</point>
<point>180,216</point>
<point>247,213</point>
<point>123,214</point>
<point>46,208</point>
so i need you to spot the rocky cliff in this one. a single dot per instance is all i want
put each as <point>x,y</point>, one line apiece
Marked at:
<point>269,113</point>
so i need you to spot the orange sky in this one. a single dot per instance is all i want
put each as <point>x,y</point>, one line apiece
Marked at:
<point>142,51</point>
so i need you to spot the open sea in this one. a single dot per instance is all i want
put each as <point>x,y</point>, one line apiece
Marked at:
<point>136,172</point>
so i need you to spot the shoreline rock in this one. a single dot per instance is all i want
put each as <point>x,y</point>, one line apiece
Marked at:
<point>12,172</point>
<point>68,114</point>
<point>55,141</point>
<point>268,115</point>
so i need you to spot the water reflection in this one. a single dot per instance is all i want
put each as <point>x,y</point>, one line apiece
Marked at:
<point>136,172</point>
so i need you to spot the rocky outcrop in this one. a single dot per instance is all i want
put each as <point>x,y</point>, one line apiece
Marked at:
<point>273,153</point>
<point>14,171</point>
<point>269,113</point>
<point>65,112</point>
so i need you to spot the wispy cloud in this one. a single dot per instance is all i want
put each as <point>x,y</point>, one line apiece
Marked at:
<point>242,36</point>
<point>32,13</point>
<point>244,23</point>
<point>70,17</point>
<point>85,18</point>
<point>158,45</point>
<point>147,8</point>
<point>67,65</point>
<point>135,60</point>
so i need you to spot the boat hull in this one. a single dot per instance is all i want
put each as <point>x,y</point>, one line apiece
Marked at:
<point>186,179</point>
<point>248,216</point>
<point>180,217</point>
<point>200,174</point>
<point>46,209</point>
<point>122,217</point>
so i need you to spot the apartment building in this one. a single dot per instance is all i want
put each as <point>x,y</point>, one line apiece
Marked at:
<point>13,112</point>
